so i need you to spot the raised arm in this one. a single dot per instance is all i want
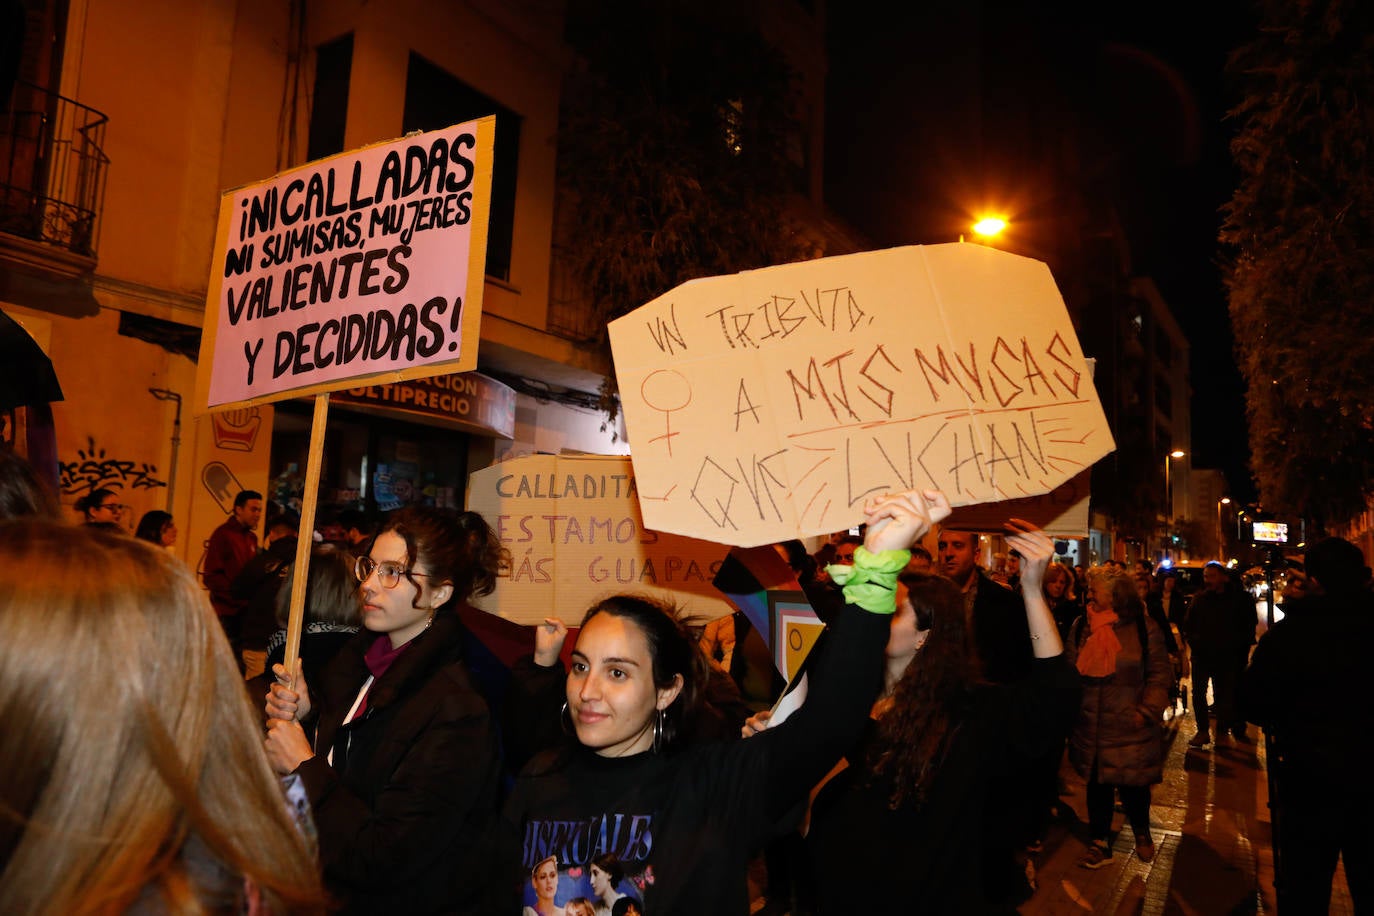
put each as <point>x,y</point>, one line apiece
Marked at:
<point>1035,548</point>
<point>848,671</point>
<point>531,717</point>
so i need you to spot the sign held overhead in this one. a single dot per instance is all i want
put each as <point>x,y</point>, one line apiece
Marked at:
<point>769,404</point>
<point>366,265</point>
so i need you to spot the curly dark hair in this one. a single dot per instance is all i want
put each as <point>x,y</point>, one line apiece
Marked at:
<point>459,547</point>
<point>931,698</point>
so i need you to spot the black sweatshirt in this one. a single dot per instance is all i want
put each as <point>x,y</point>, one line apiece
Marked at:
<point>867,857</point>
<point>686,824</point>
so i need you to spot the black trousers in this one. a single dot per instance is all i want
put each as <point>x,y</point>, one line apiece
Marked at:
<point>1223,670</point>
<point>1101,797</point>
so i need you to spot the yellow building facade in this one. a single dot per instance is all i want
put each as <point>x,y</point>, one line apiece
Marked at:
<point>201,98</point>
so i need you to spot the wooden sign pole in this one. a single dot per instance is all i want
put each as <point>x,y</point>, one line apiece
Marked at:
<point>306,540</point>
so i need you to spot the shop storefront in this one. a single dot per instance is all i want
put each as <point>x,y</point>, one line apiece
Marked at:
<point>390,446</point>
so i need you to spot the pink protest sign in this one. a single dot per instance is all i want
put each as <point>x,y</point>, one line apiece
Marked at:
<point>366,265</point>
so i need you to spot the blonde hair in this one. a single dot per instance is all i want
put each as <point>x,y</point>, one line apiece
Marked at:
<point>131,759</point>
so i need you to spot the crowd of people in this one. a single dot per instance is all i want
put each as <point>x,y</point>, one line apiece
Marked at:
<point>161,757</point>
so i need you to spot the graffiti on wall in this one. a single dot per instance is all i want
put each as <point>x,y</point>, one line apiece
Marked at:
<point>94,469</point>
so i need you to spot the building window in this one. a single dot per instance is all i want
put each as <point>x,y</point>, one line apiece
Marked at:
<point>1164,348</point>
<point>436,99</point>
<point>329,114</point>
<point>1164,397</point>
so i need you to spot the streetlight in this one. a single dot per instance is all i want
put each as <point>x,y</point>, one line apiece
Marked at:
<point>1221,544</point>
<point>1169,501</point>
<point>989,226</point>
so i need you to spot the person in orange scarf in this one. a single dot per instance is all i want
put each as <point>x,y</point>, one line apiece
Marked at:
<point>1117,742</point>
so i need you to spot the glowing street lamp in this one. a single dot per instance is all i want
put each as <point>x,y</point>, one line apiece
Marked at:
<point>1169,500</point>
<point>989,226</point>
<point>1221,544</point>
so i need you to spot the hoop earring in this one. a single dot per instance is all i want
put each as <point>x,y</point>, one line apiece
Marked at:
<point>565,720</point>
<point>658,732</point>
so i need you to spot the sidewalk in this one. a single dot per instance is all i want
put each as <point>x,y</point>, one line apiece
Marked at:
<point>1211,826</point>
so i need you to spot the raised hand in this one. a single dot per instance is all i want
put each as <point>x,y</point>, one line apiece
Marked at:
<point>897,521</point>
<point>548,641</point>
<point>1036,549</point>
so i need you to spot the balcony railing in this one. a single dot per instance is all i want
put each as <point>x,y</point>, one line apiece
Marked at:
<point>52,169</point>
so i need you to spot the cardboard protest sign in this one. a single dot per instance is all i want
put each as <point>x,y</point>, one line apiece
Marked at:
<point>1062,513</point>
<point>770,404</point>
<point>573,528</point>
<point>366,265</point>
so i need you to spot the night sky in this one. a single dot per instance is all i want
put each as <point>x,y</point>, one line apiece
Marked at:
<point>947,107</point>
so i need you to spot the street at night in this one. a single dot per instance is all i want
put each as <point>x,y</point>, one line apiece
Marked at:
<point>606,457</point>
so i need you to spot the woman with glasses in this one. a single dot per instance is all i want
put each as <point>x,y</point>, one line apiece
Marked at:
<point>102,509</point>
<point>403,770</point>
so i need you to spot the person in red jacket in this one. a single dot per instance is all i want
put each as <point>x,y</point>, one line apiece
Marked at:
<point>229,549</point>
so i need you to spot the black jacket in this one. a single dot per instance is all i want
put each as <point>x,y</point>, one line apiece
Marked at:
<point>1308,687</point>
<point>1220,623</point>
<point>1000,632</point>
<point>406,812</point>
<point>860,847</point>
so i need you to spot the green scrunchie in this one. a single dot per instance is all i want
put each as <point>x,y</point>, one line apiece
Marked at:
<point>871,583</point>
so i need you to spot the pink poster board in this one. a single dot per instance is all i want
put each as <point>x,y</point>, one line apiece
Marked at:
<point>366,265</point>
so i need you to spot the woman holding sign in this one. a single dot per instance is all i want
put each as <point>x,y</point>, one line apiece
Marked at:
<point>403,772</point>
<point>914,797</point>
<point>684,821</point>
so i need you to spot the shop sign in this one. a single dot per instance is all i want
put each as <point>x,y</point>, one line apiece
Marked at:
<point>368,265</point>
<point>467,399</point>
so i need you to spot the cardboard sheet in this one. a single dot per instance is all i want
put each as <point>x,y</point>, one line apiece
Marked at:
<point>573,527</point>
<point>770,404</point>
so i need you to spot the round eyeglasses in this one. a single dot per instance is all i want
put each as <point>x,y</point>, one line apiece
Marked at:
<point>388,574</point>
